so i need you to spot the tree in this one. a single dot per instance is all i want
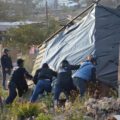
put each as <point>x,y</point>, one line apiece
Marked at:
<point>25,7</point>
<point>28,35</point>
<point>4,8</point>
<point>17,10</point>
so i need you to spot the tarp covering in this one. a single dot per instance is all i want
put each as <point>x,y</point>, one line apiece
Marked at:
<point>98,33</point>
<point>107,36</point>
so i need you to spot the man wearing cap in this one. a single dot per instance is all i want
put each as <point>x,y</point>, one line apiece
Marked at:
<point>6,64</point>
<point>86,72</point>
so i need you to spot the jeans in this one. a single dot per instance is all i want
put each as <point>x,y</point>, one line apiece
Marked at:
<point>12,93</point>
<point>58,90</point>
<point>80,84</point>
<point>41,86</point>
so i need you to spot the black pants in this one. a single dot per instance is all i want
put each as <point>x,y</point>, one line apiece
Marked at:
<point>13,93</point>
<point>58,90</point>
<point>4,74</point>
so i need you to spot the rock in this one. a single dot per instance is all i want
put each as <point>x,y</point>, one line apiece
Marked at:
<point>101,108</point>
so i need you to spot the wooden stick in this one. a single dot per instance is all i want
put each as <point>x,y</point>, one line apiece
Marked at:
<point>49,38</point>
<point>119,74</point>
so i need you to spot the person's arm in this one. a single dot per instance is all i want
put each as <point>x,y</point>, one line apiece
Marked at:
<point>11,65</point>
<point>74,67</point>
<point>54,73</point>
<point>27,75</point>
<point>3,62</point>
<point>35,78</point>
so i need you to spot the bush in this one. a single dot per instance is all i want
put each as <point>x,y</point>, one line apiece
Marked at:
<point>75,115</point>
<point>48,101</point>
<point>43,116</point>
<point>27,110</point>
<point>27,35</point>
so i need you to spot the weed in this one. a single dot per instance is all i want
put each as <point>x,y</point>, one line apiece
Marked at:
<point>43,116</point>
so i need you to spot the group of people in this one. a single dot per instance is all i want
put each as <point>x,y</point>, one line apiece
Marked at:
<point>43,78</point>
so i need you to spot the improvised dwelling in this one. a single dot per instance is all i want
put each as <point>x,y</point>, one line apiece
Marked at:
<point>98,33</point>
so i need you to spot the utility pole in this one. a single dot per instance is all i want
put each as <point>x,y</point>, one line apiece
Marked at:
<point>46,9</point>
<point>55,4</point>
<point>119,73</point>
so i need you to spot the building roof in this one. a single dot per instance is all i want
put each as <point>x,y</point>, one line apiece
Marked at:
<point>4,26</point>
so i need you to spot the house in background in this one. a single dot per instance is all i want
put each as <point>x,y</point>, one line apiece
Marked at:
<point>55,3</point>
<point>4,26</point>
<point>42,3</point>
<point>83,3</point>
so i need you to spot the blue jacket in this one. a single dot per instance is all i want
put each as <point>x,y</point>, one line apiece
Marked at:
<point>87,71</point>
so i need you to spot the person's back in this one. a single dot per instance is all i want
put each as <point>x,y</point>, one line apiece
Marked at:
<point>85,70</point>
<point>46,73</point>
<point>18,78</point>
<point>64,77</point>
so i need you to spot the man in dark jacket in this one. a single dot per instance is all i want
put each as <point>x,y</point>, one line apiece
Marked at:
<point>18,81</point>
<point>6,64</point>
<point>64,81</point>
<point>42,79</point>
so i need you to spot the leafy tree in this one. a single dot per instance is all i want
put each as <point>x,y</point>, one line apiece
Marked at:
<point>3,10</point>
<point>27,35</point>
<point>17,10</point>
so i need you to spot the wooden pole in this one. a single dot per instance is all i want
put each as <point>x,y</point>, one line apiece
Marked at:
<point>68,23</point>
<point>119,73</point>
<point>46,10</point>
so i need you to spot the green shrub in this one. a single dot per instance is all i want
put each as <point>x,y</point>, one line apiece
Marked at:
<point>43,116</point>
<point>27,110</point>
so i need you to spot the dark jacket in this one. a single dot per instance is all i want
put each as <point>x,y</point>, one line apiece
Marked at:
<point>19,78</point>
<point>6,62</point>
<point>44,73</point>
<point>64,77</point>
